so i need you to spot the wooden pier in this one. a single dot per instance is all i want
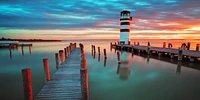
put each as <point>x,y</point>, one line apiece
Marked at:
<point>14,45</point>
<point>192,54</point>
<point>69,82</point>
<point>65,83</point>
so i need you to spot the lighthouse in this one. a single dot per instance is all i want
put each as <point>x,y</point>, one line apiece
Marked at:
<point>125,19</point>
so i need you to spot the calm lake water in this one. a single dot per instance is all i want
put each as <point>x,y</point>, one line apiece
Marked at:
<point>140,79</point>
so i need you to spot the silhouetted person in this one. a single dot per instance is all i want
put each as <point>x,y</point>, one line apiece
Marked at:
<point>184,46</point>
<point>149,44</point>
<point>170,45</point>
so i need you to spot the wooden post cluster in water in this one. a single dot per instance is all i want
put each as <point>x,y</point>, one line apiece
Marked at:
<point>84,74</point>
<point>26,73</point>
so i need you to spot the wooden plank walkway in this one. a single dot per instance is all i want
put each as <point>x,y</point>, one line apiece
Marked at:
<point>65,83</point>
<point>191,53</point>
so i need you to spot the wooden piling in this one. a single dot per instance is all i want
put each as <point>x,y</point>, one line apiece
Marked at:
<point>118,58</point>
<point>65,50</point>
<point>46,69</point>
<point>30,49</point>
<point>105,55</point>
<point>99,50</point>
<point>57,60</point>
<point>70,45</point>
<point>164,44</point>
<point>84,84</point>
<point>180,54</point>
<point>188,46</point>
<point>94,48</point>
<point>27,84</point>
<point>197,47</point>
<point>61,53</point>
<point>22,47</point>
<point>68,51</point>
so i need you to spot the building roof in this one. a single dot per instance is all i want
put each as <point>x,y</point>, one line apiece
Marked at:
<point>125,11</point>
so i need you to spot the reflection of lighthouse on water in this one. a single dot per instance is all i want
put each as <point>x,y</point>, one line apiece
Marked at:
<point>123,69</point>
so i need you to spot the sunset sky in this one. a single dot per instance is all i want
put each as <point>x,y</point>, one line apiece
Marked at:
<point>85,19</point>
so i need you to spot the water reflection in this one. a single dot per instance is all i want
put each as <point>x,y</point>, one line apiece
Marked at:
<point>178,69</point>
<point>94,55</point>
<point>105,60</point>
<point>148,57</point>
<point>22,50</point>
<point>10,54</point>
<point>30,49</point>
<point>123,69</point>
<point>98,58</point>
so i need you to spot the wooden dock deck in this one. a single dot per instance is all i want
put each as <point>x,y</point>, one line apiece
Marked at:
<point>65,83</point>
<point>192,54</point>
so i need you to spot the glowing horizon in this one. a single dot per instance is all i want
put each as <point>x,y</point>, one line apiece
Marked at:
<point>163,19</point>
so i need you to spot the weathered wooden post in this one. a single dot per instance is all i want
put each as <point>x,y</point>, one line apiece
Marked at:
<point>68,51</point>
<point>46,69</point>
<point>99,50</point>
<point>22,47</point>
<point>75,45</point>
<point>70,45</point>
<point>180,54</point>
<point>164,44</point>
<point>65,49</point>
<point>27,84</point>
<point>94,48</point>
<point>30,49</point>
<point>188,46</point>
<point>61,53</point>
<point>148,50</point>
<point>83,62</point>
<point>118,58</point>
<point>105,55</point>
<point>84,84</point>
<point>57,60</point>
<point>197,47</point>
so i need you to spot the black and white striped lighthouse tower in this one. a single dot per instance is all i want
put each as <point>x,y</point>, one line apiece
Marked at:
<point>125,19</point>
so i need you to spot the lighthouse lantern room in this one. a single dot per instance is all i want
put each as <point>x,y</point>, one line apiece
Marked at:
<point>125,19</point>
